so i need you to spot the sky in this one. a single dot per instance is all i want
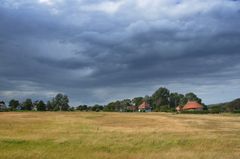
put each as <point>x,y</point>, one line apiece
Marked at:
<point>97,51</point>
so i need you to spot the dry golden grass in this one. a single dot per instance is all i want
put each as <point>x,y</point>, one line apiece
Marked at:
<point>72,135</point>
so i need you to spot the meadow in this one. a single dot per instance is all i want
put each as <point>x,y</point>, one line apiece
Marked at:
<point>102,135</point>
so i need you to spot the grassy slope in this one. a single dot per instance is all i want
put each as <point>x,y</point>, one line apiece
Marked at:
<point>233,104</point>
<point>72,135</point>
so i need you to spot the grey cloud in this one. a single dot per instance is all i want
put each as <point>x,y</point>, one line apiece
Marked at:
<point>97,56</point>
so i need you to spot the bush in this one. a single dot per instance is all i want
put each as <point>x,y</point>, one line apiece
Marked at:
<point>195,112</point>
<point>216,110</point>
<point>156,110</point>
<point>71,109</point>
<point>165,108</point>
<point>236,111</point>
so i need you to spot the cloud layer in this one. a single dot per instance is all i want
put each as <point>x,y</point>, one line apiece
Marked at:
<point>96,51</point>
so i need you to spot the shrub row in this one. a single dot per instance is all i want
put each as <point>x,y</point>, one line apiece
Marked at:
<point>236,111</point>
<point>196,112</point>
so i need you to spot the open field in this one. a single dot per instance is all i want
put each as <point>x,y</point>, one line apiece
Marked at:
<point>70,135</point>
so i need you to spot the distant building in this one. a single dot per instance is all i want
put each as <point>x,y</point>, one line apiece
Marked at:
<point>19,107</point>
<point>192,105</point>
<point>144,107</point>
<point>132,108</point>
<point>2,106</point>
<point>34,108</point>
<point>179,109</point>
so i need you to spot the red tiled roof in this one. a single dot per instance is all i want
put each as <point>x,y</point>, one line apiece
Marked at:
<point>144,105</point>
<point>192,105</point>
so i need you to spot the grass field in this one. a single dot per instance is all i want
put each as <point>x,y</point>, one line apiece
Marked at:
<point>70,135</point>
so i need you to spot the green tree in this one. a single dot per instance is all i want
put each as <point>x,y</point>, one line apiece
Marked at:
<point>113,106</point>
<point>109,107</point>
<point>41,106</point>
<point>13,104</point>
<point>193,97</point>
<point>3,107</point>
<point>117,106</point>
<point>148,99</point>
<point>49,106</point>
<point>97,108</point>
<point>124,104</point>
<point>27,104</point>
<point>71,109</point>
<point>82,108</point>
<point>60,102</point>
<point>160,97</point>
<point>183,101</point>
<point>137,101</point>
<point>175,99</point>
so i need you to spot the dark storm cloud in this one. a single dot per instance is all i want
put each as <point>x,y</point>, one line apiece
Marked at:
<point>96,51</point>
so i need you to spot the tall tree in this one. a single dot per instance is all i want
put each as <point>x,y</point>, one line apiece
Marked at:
<point>3,107</point>
<point>27,104</point>
<point>13,104</point>
<point>183,101</point>
<point>148,99</point>
<point>49,106</point>
<point>113,106</point>
<point>97,108</point>
<point>82,108</point>
<point>110,107</point>
<point>175,99</point>
<point>192,97</point>
<point>60,102</point>
<point>161,97</point>
<point>41,106</point>
<point>137,101</point>
<point>124,104</point>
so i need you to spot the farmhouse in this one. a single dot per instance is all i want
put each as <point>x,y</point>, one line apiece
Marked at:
<point>19,107</point>
<point>144,107</point>
<point>192,105</point>
<point>132,108</point>
<point>179,109</point>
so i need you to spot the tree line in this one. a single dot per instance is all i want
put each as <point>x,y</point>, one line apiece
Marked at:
<point>59,103</point>
<point>161,100</point>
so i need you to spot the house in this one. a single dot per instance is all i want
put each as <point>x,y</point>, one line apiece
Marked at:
<point>179,109</point>
<point>192,106</point>
<point>132,108</point>
<point>34,108</point>
<point>19,107</point>
<point>2,106</point>
<point>144,107</point>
